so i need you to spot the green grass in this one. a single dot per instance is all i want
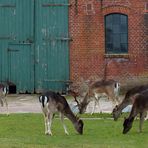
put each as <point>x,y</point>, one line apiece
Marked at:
<point>27,131</point>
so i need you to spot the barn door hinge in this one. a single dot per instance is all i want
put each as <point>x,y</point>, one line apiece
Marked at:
<point>12,50</point>
<point>61,81</point>
<point>58,39</point>
<point>7,6</point>
<point>48,5</point>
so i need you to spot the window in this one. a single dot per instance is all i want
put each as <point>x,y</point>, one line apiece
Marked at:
<point>116,34</point>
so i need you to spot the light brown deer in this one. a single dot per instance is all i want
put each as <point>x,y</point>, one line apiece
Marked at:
<point>128,100</point>
<point>140,106</point>
<point>109,88</point>
<point>51,103</point>
<point>3,93</point>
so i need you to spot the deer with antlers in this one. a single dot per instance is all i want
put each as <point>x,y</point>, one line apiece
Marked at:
<point>109,88</point>
<point>140,106</point>
<point>51,103</point>
<point>97,90</point>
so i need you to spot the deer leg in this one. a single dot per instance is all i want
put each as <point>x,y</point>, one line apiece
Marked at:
<point>48,122</point>
<point>1,101</point>
<point>5,100</point>
<point>94,106</point>
<point>45,121</point>
<point>142,115</point>
<point>97,98</point>
<point>146,117</point>
<point>64,126</point>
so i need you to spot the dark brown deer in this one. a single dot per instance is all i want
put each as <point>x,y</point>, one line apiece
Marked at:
<point>140,106</point>
<point>128,100</point>
<point>51,103</point>
<point>3,94</point>
<point>109,88</point>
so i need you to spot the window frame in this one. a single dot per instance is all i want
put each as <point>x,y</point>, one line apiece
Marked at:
<point>113,51</point>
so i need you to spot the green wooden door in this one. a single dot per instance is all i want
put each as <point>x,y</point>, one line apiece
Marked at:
<point>52,54</point>
<point>34,41</point>
<point>16,34</point>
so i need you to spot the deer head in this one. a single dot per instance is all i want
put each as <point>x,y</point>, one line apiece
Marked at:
<point>79,126</point>
<point>127,125</point>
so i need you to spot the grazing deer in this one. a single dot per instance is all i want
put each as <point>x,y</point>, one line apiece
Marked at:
<point>51,103</point>
<point>109,88</point>
<point>3,93</point>
<point>140,106</point>
<point>128,100</point>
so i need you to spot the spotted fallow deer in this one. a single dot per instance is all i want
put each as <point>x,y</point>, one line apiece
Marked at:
<point>128,100</point>
<point>140,106</point>
<point>3,93</point>
<point>51,103</point>
<point>109,88</point>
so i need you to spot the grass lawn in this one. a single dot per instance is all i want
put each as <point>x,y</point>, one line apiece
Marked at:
<point>27,131</point>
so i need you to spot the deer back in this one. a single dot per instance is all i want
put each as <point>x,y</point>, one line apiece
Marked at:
<point>104,87</point>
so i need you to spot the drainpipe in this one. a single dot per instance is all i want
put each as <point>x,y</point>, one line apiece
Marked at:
<point>76,7</point>
<point>101,1</point>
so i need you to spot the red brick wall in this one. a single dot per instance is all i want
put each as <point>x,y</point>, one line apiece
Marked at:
<point>87,48</point>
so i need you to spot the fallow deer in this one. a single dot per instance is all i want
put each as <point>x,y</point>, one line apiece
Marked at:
<point>3,94</point>
<point>128,100</point>
<point>109,88</point>
<point>140,106</point>
<point>51,103</point>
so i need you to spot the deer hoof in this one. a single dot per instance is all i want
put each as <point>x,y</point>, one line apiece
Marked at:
<point>47,133</point>
<point>67,133</point>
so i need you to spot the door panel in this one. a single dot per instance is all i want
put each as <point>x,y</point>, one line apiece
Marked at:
<point>20,67</point>
<point>52,54</point>
<point>17,18</point>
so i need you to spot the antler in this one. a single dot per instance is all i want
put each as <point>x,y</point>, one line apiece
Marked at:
<point>75,95</point>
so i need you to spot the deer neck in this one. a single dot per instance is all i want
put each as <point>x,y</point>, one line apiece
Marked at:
<point>122,105</point>
<point>86,99</point>
<point>70,115</point>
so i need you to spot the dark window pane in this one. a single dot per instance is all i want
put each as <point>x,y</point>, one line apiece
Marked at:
<point>109,47</point>
<point>116,33</point>
<point>123,38</point>
<point>123,47</point>
<point>123,19</point>
<point>116,18</point>
<point>123,28</point>
<point>109,19</point>
<point>109,38</point>
<point>108,30</point>
<point>116,42</point>
<point>116,28</point>
<point>109,26</point>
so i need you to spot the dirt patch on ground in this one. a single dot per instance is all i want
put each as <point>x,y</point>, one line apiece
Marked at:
<point>23,103</point>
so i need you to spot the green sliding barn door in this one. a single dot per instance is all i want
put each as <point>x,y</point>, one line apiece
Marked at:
<point>34,39</point>
<point>52,54</point>
<point>16,47</point>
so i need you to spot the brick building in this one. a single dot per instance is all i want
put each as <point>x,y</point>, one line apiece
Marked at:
<point>53,42</point>
<point>112,32</point>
